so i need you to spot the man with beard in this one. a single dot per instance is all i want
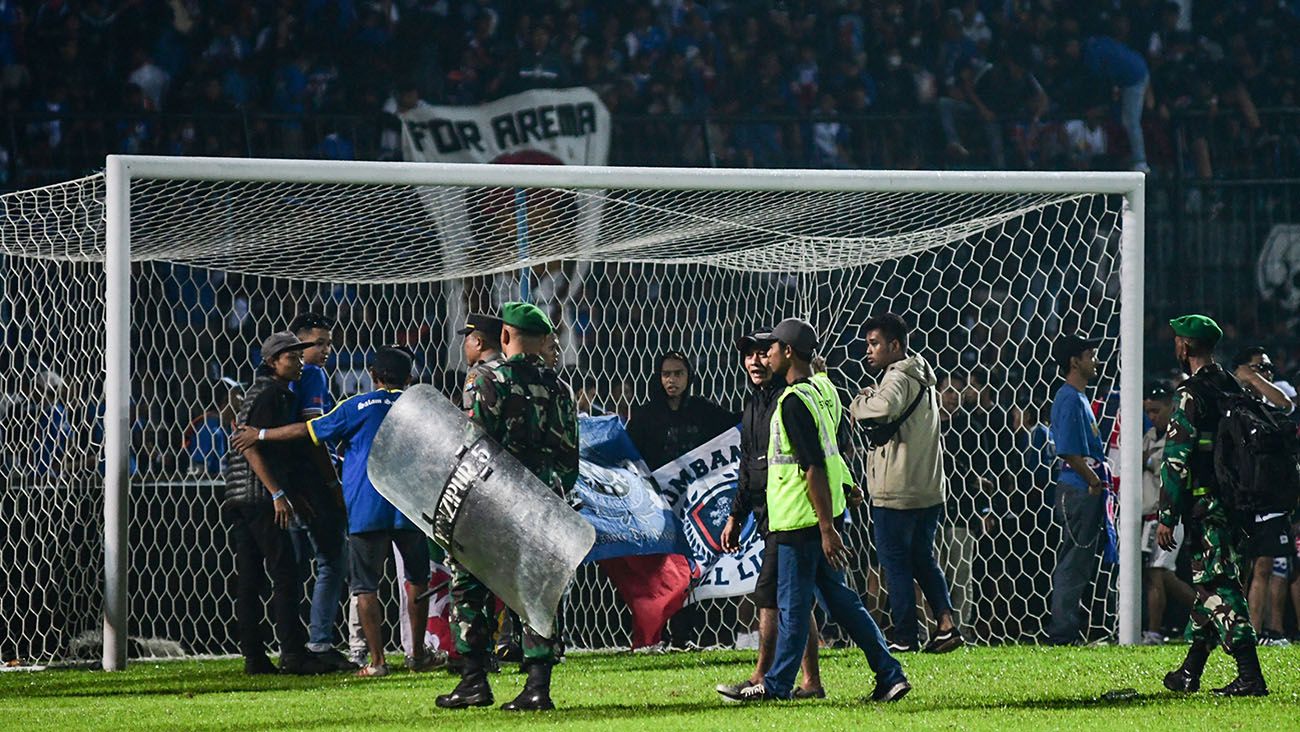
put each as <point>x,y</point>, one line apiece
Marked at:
<point>1191,494</point>
<point>751,497</point>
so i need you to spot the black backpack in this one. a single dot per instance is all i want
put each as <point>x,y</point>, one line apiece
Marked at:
<point>1256,457</point>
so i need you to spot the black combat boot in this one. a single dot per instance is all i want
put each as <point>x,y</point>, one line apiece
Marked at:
<point>1188,676</point>
<point>1250,679</point>
<point>536,696</point>
<point>473,689</point>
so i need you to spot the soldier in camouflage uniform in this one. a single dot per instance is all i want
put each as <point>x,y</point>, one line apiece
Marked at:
<point>1213,534</point>
<point>482,351</point>
<point>525,407</point>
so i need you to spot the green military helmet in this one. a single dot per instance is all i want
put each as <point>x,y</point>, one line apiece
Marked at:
<point>1200,327</point>
<point>527,317</point>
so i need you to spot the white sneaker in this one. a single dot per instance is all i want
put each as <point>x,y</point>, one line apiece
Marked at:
<point>1151,638</point>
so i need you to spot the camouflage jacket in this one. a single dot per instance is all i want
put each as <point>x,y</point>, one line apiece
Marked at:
<point>524,406</point>
<point>1187,471</point>
<point>475,371</point>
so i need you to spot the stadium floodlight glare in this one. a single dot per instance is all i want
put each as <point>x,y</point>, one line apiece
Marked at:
<point>171,267</point>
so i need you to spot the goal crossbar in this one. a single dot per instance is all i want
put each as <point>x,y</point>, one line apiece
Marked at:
<point>121,170</point>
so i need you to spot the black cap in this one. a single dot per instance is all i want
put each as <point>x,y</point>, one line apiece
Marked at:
<point>278,343</point>
<point>796,333</point>
<point>479,322</point>
<point>394,360</point>
<point>1158,390</point>
<point>753,340</point>
<point>1069,346</point>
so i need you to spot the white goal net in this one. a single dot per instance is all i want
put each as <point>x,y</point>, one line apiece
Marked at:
<point>627,267</point>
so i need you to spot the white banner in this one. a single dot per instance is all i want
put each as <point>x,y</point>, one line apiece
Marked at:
<point>541,126</point>
<point>537,127</point>
<point>701,486</point>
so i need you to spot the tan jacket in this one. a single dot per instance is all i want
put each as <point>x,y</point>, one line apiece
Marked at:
<point>907,472</point>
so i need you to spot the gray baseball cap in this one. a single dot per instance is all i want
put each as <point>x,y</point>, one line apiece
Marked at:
<point>794,332</point>
<point>278,343</point>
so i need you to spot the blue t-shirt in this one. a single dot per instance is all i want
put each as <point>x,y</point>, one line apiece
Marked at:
<point>1112,61</point>
<point>355,421</point>
<point>313,390</point>
<point>1074,432</point>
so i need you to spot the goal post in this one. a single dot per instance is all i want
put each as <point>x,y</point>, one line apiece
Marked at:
<point>818,239</point>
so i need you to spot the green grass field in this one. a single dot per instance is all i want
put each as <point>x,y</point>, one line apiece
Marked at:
<point>976,688</point>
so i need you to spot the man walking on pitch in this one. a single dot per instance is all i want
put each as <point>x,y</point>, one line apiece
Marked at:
<point>1080,487</point>
<point>905,475</point>
<point>373,523</point>
<point>325,537</point>
<point>805,500</point>
<point>1191,493</point>
<point>482,350</point>
<point>524,406</point>
<point>751,497</point>
<point>262,497</point>
<point>1158,566</point>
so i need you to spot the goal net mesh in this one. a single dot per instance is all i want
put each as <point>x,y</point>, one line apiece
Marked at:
<point>986,280</point>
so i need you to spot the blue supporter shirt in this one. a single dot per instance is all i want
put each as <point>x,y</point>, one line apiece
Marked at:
<point>1113,62</point>
<point>355,421</point>
<point>1074,432</point>
<point>313,390</point>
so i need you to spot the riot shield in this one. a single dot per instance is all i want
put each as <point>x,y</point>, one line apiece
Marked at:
<point>475,499</point>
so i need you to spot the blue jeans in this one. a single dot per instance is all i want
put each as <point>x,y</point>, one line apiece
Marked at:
<point>325,538</point>
<point>905,545</point>
<point>1131,101</point>
<point>802,569</point>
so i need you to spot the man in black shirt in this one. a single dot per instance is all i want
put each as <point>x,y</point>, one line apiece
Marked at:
<point>674,421</point>
<point>262,499</point>
<point>751,497</point>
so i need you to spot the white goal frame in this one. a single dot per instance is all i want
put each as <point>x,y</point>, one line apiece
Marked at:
<point>122,170</point>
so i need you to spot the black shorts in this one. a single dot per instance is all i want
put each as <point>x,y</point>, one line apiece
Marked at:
<point>367,552</point>
<point>1270,537</point>
<point>764,594</point>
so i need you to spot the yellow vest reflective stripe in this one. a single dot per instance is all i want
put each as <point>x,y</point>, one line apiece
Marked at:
<point>836,466</point>
<point>788,505</point>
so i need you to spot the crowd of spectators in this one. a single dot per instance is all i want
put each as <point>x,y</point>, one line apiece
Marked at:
<point>1053,83</point>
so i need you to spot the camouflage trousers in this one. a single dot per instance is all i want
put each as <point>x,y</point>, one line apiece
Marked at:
<point>1219,613</point>
<point>473,619</point>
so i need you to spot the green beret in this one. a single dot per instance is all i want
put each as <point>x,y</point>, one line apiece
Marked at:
<point>526,317</point>
<point>1197,326</point>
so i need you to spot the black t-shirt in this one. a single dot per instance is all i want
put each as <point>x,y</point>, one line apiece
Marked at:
<point>276,406</point>
<point>661,433</point>
<point>806,443</point>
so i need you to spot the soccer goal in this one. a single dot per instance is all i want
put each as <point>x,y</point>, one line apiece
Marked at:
<point>133,302</point>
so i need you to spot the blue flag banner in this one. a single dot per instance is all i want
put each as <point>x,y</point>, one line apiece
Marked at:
<point>619,496</point>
